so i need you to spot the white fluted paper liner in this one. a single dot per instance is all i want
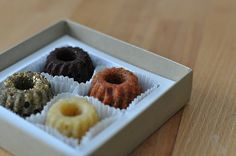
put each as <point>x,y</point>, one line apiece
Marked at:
<point>69,141</point>
<point>86,139</point>
<point>94,131</point>
<point>38,66</point>
<point>103,111</point>
<point>106,114</point>
<point>61,84</point>
<point>147,84</point>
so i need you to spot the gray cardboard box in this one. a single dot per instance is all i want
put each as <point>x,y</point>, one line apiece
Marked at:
<point>22,138</point>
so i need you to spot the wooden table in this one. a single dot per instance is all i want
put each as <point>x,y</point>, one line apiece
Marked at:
<point>198,33</point>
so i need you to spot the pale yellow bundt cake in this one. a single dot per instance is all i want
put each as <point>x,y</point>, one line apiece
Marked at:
<point>72,116</point>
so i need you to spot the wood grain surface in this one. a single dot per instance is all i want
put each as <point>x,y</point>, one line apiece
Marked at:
<point>197,33</point>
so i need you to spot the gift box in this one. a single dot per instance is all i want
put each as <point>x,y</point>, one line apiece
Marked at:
<point>166,89</point>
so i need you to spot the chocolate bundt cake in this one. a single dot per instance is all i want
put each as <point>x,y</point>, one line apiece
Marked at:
<point>116,87</point>
<point>73,62</point>
<point>25,93</point>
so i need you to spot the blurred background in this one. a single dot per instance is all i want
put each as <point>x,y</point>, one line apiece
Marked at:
<point>196,33</point>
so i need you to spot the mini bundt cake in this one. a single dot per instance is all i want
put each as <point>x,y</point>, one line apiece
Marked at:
<point>25,93</point>
<point>116,87</point>
<point>72,116</point>
<point>73,62</point>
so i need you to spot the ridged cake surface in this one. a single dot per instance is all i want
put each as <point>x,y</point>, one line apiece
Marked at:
<point>116,87</point>
<point>72,116</point>
<point>25,93</point>
<point>73,62</point>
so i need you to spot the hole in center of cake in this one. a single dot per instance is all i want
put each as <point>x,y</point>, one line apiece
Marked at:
<point>66,55</point>
<point>114,79</point>
<point>24,83</point>
<point>70,110</point>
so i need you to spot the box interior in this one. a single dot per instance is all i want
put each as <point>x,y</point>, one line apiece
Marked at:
<point>26,63</point>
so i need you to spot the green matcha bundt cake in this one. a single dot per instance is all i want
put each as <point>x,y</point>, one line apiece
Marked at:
<point>25,93</point>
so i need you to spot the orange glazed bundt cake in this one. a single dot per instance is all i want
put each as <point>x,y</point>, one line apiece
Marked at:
<point>116,87</point>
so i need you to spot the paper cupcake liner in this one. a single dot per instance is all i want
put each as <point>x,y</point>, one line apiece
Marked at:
<point>86,139</point>
<point>61,84</point>
<point>106,114</point>
<point>94,131</point>
<point>147,84</point>
<point>69,141</point>
<point>103,111</point>
<point>38,66</point>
